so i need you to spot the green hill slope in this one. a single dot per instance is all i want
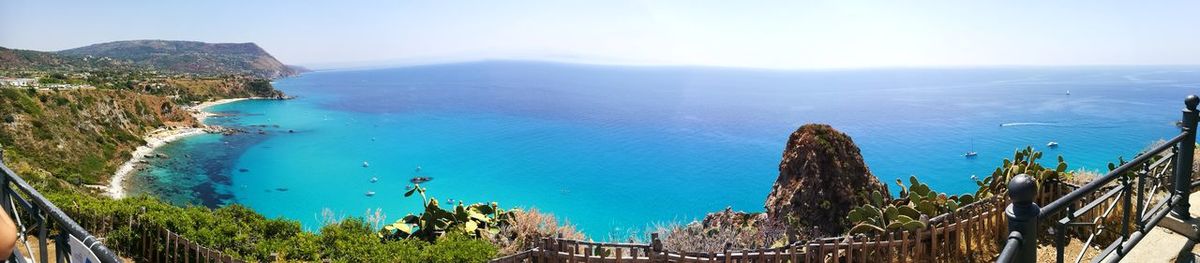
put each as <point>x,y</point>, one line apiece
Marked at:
<point>190,57</point>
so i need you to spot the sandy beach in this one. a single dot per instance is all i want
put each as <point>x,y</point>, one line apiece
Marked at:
<point>158,138</point>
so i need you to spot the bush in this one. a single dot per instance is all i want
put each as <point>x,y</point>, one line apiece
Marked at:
<point>527,226</point>
<point>248,235</point>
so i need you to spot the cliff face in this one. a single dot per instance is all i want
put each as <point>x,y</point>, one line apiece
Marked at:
<point>820,177</point>
<point>79,135</point>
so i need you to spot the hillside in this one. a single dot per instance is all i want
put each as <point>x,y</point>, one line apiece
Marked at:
<point>17,59</point>
<point>190,57</point>
<point>80,136</point>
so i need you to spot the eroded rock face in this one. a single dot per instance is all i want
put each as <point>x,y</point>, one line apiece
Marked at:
<point>732,219</point>
<point>820,177</point>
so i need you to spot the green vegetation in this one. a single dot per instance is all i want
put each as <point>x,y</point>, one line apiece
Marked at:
<point>189,57</point>
<point>245,234</point>
<point>59,140</point>
<point>1024,161</point>
<point>905,213</point>
<point>79,135</point>
<point>917,203</point>
<point>476,220</point>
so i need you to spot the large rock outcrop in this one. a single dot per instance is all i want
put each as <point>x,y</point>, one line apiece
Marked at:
<point>820,177</point>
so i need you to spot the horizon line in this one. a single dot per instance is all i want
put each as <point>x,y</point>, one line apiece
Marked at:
<point>384,65</point>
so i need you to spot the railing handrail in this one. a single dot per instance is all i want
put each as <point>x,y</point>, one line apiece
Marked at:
<point>63,221</point>
<point>1061,203</point>
<point>1023,214</point>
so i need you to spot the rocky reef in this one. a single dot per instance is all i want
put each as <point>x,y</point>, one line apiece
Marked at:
<point>820,176</point>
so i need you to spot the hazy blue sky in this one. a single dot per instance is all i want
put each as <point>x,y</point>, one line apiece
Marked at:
<point>772,34</point>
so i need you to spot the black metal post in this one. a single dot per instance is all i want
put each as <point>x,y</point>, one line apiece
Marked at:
<point>1127,205</point>
<point>1022,216</point>
<point>4,192</point>
<point>1141,200</point>
<point>1060,241</point>
<point>1183,165</point>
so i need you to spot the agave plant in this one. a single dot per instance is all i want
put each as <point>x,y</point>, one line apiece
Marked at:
<point>476,220</point>
<point>1024,161</point>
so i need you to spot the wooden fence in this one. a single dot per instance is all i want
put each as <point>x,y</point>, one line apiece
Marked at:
<point>152,243</point>
<point>973,233</point>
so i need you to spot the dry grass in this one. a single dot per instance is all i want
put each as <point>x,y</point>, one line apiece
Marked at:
<point>528,226</point>
<point>695,237</point>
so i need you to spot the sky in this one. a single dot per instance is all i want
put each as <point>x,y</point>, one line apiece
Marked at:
<point>759,34</point>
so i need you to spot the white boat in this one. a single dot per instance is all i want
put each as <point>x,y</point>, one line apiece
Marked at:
<point>365,164</point>
<point>1068,92</point>
<point>1052,144</point>
<point>370,193</point>
<point>374,179</point>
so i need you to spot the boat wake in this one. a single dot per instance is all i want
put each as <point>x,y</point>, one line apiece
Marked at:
<point>1032,124</point>
<point>1107,125</point>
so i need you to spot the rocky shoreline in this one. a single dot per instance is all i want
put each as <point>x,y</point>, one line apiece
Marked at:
<point>162,136</point>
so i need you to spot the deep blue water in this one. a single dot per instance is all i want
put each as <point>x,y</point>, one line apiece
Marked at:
<point>616,148</point>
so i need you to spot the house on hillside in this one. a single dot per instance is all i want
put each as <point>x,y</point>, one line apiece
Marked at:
<point>18,82</point>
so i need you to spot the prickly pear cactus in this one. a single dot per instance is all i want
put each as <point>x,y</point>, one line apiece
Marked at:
<point>1024,161</point>
<point>917,201</point>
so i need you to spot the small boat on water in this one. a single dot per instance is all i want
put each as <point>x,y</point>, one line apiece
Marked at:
<point>418,169</point>
<point>420,179</point>
<point>370,193</point>
<point>365,164</point>
<point>374,179</point>
<point>1052,144</point>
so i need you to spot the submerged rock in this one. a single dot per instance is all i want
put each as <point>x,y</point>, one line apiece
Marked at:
<point>820,176</point>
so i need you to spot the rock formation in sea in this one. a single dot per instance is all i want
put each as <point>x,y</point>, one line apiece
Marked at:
<point>820,177</point>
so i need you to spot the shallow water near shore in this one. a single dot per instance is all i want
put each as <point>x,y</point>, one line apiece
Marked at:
<point>613,149</point>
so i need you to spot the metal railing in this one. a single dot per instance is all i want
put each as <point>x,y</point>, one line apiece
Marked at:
<point>1160,179</point>
<point>37,218</point>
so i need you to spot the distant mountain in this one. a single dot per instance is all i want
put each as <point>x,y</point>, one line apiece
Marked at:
<point>191,57</point>
<point>18,59</point>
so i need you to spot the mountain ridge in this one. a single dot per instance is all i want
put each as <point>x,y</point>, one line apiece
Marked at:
<point>190,57</point>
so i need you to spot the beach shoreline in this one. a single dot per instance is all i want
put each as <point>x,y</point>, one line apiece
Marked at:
<point>162,136</point>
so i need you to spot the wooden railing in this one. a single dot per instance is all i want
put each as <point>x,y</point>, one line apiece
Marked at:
<point>973,233</point>
<point>153,243</point>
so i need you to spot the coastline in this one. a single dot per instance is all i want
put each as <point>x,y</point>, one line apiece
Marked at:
<point>158,138</point>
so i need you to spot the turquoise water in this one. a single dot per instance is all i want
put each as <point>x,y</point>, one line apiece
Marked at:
<point>617,148</point>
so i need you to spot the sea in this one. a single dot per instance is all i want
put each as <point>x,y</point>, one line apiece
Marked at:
<point>615,150</point>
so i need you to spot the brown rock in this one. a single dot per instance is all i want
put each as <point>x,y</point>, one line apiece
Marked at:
<point>820,177</point>
<point>730,218</point>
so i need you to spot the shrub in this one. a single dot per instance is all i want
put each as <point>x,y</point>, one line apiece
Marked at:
<point>696,236</point>
<point>527,226</point>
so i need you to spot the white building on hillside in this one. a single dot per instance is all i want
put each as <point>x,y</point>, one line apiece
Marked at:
<point>17,82</point>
